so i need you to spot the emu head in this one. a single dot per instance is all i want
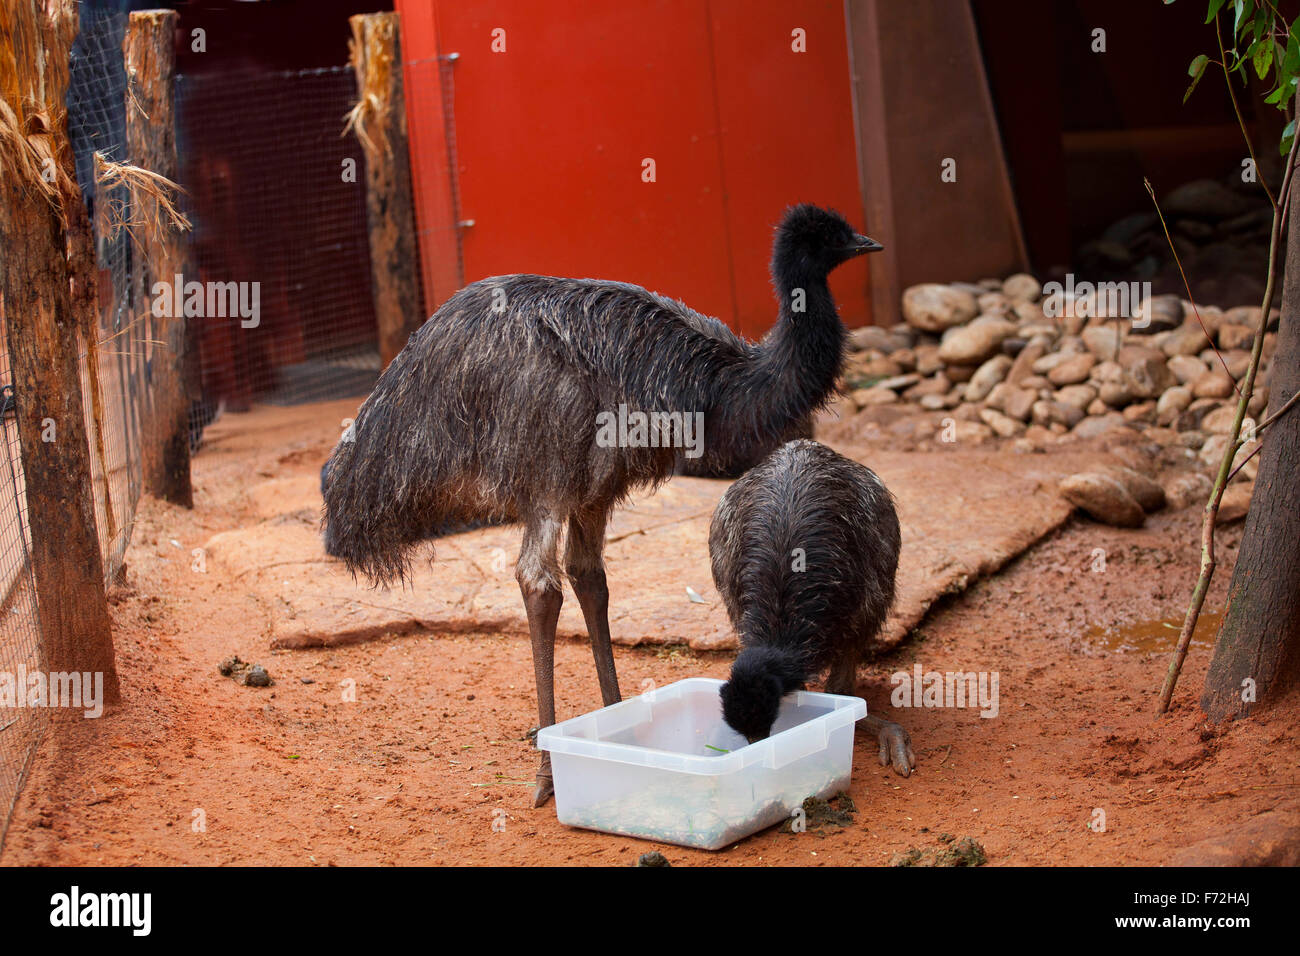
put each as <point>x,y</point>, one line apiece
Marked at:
<point>751,699</point>
<point>811,241</point>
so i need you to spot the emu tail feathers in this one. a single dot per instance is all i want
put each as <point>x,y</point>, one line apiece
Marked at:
<point>368,519</point>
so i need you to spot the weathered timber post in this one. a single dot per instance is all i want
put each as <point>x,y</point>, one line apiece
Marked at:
<point>151,144</point>
<point>37,187</point>
<point>1257,652</point>
<point>380,124</point>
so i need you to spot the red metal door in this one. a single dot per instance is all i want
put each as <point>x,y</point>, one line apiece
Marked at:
<point>555,112</point>
<point>786,119</point>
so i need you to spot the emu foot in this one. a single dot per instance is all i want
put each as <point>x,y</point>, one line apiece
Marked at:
<point>895,745</point>
<point>545,786</point>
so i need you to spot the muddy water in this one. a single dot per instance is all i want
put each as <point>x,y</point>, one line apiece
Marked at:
<point>1154,637</point>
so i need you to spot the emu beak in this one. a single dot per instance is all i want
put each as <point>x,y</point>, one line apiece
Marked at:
<point>861,245</point>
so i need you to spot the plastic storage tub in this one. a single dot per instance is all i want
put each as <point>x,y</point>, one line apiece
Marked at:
<point>665,766</point>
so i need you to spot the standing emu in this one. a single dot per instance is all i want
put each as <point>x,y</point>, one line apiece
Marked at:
<point>804,549</point>
<point>489,414</point>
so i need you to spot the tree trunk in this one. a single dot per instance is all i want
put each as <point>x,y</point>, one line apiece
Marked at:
<point>1258,647</point>
<point>394,257</point>
<point>151,144</point>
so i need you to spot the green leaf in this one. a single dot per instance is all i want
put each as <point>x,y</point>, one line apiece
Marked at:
<point>1215,7</point>
<point>1291,58</point>
<point>1263,57</point>
<point>1288,135</point>
<point>1242,11</point>
<point>1288,91</point>
<point>1195,70</point>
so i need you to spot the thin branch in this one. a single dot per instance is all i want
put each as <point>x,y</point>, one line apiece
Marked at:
<point>1227,79</point>
<point>1259,428</point>
<point>1277,414</point>
<point>1186,285</point>
<point>1253,452</point>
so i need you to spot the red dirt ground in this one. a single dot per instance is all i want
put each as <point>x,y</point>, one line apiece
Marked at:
<point>412,772</point>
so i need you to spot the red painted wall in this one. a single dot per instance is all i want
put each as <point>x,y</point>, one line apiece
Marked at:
<point>549,138</point>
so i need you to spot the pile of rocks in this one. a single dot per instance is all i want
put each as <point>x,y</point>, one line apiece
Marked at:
<point>996,359</point>
<point>1221,230</point>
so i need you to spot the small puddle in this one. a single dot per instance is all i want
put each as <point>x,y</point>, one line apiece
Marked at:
<point>1154,637</point>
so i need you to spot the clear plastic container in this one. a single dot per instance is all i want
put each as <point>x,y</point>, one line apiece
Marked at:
<point>665,766</point>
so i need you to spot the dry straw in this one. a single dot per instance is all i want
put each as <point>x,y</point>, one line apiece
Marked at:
<point>370,52</point>
<point>153,200</point>
<point>33,84</point>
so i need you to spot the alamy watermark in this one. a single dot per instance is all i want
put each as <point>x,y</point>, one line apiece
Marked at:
<point>951,689</point>
<point>133,911</point>
<point>210,300</point>
<point>74,690</point>
<point>1114,300</point>
<point>635,429</point>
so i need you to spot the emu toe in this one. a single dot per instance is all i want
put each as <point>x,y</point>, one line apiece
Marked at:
<point>896,749</point>
<point>895,745</point>
<point>545,786</point>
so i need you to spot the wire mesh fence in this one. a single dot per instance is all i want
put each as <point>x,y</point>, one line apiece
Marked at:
<point>20,728</point>
<point>115,401</point>
<point>277,198</point>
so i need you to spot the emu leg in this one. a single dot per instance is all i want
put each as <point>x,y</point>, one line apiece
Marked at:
<point>895,743</point>
<point>585,565</point>
<point>538,575</point>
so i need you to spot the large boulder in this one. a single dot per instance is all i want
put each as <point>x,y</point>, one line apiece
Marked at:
<point>1104,498</point>
<point>975,343</point>
<point>932,307</point>
<point>1206,200</point>
<point>1235,502</point>
<point>1096,425</point>
<point>1073,370</point>
<point>1080,396</point>
<point>1141,489</point>
<point>1022,287</point>
<point>1183,491</point>
<point>1103,341</point>
<point>1236,336</point>
<point>1187,339</point>
<point>1214,384</point>
<point>1162,313</point>
<point>877,338</point>
<point>1187,368</point>
<point>1149,377</point>
<point>986,377</point>
<point>1172,403</point>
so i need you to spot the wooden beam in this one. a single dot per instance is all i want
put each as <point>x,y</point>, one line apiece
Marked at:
<point>44,343</point>
<point>381,128</point>
<point>428,84</point>
<point>922,99</point>
<point>151,144</point>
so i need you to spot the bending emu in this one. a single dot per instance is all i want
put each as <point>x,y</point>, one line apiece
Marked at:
<point>804,549</point>
<point>490,413</point>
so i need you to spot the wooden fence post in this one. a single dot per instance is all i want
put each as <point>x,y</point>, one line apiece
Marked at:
<point>151,144</point>
<point>380,124</point>
<point>37,186</point>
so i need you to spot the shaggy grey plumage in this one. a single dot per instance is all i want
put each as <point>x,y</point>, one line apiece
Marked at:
<point>804,549</point>
<point>490,414</point>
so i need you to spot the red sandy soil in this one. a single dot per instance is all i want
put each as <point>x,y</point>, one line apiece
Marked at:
<point>414,771</point>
